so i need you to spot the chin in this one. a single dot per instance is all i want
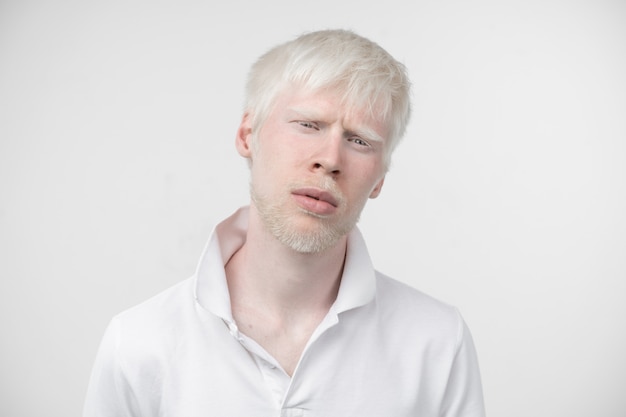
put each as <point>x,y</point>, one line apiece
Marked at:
<point>301,230</point>
<point>312,235</point>
<point>309,243</point>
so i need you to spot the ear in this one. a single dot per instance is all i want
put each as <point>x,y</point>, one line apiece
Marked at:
<point>376,191</point>
<point>243,140</point>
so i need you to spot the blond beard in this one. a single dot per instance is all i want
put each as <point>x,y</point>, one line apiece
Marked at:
<point>279,223</point>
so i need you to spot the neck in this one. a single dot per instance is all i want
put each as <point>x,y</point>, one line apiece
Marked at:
<point>266,272</point>
<point>278,295</point>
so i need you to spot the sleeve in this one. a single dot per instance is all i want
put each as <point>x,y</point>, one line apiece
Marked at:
<point>109,393</point>
<point>464,395</point>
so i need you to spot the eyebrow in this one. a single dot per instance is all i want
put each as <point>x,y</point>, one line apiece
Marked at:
<point>365,132</point>
<point>305,113</point>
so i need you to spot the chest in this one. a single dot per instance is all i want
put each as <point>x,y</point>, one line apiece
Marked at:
<point>340,374</point>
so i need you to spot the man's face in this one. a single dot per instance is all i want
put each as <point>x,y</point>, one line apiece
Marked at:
<point>313,167</point>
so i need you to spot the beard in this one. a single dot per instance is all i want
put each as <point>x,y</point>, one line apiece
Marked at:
<point>283,225</point>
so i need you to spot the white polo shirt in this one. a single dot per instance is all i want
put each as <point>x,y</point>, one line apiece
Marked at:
<point>383,349</point>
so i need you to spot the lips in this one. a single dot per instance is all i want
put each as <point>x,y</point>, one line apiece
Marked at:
<point>317,194</point>
<point>316,200</point>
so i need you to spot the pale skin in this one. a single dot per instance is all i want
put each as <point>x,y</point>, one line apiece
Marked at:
<point>319,163</point>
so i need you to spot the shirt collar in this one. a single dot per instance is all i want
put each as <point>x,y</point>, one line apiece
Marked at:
<point>357,286</point>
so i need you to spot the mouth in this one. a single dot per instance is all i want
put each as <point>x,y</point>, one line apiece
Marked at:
<point>316,200</point>
<point>319,195</point>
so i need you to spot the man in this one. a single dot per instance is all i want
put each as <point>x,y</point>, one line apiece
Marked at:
<point>286,315</point>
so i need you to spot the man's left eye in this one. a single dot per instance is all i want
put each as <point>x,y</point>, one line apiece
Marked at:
<point>306,124</point>
<point>360,141</point>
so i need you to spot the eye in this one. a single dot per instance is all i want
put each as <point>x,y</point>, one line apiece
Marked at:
<point>307,124</point>
<point>359,141</point>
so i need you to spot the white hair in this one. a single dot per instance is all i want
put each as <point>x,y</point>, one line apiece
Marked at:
<point>363,73</point>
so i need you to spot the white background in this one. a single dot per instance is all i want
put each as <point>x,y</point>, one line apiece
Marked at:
<point>507,198</point>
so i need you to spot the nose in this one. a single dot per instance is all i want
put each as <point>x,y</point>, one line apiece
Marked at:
<point>328,156</point>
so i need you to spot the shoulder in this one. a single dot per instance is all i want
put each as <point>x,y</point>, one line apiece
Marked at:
<point>165,305</point>
<point>138,349</point>
<point>391,290</point>
<point>154,323</point>
<point>411,308</point>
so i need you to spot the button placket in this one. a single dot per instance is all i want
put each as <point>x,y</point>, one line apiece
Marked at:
<point>292,412</point>
<point>276,380</point>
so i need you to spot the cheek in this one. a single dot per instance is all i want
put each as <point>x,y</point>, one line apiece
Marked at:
<point>359,193</point>
<point>280,162</point>
<point>370,188</point>
<point>266,171</point>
